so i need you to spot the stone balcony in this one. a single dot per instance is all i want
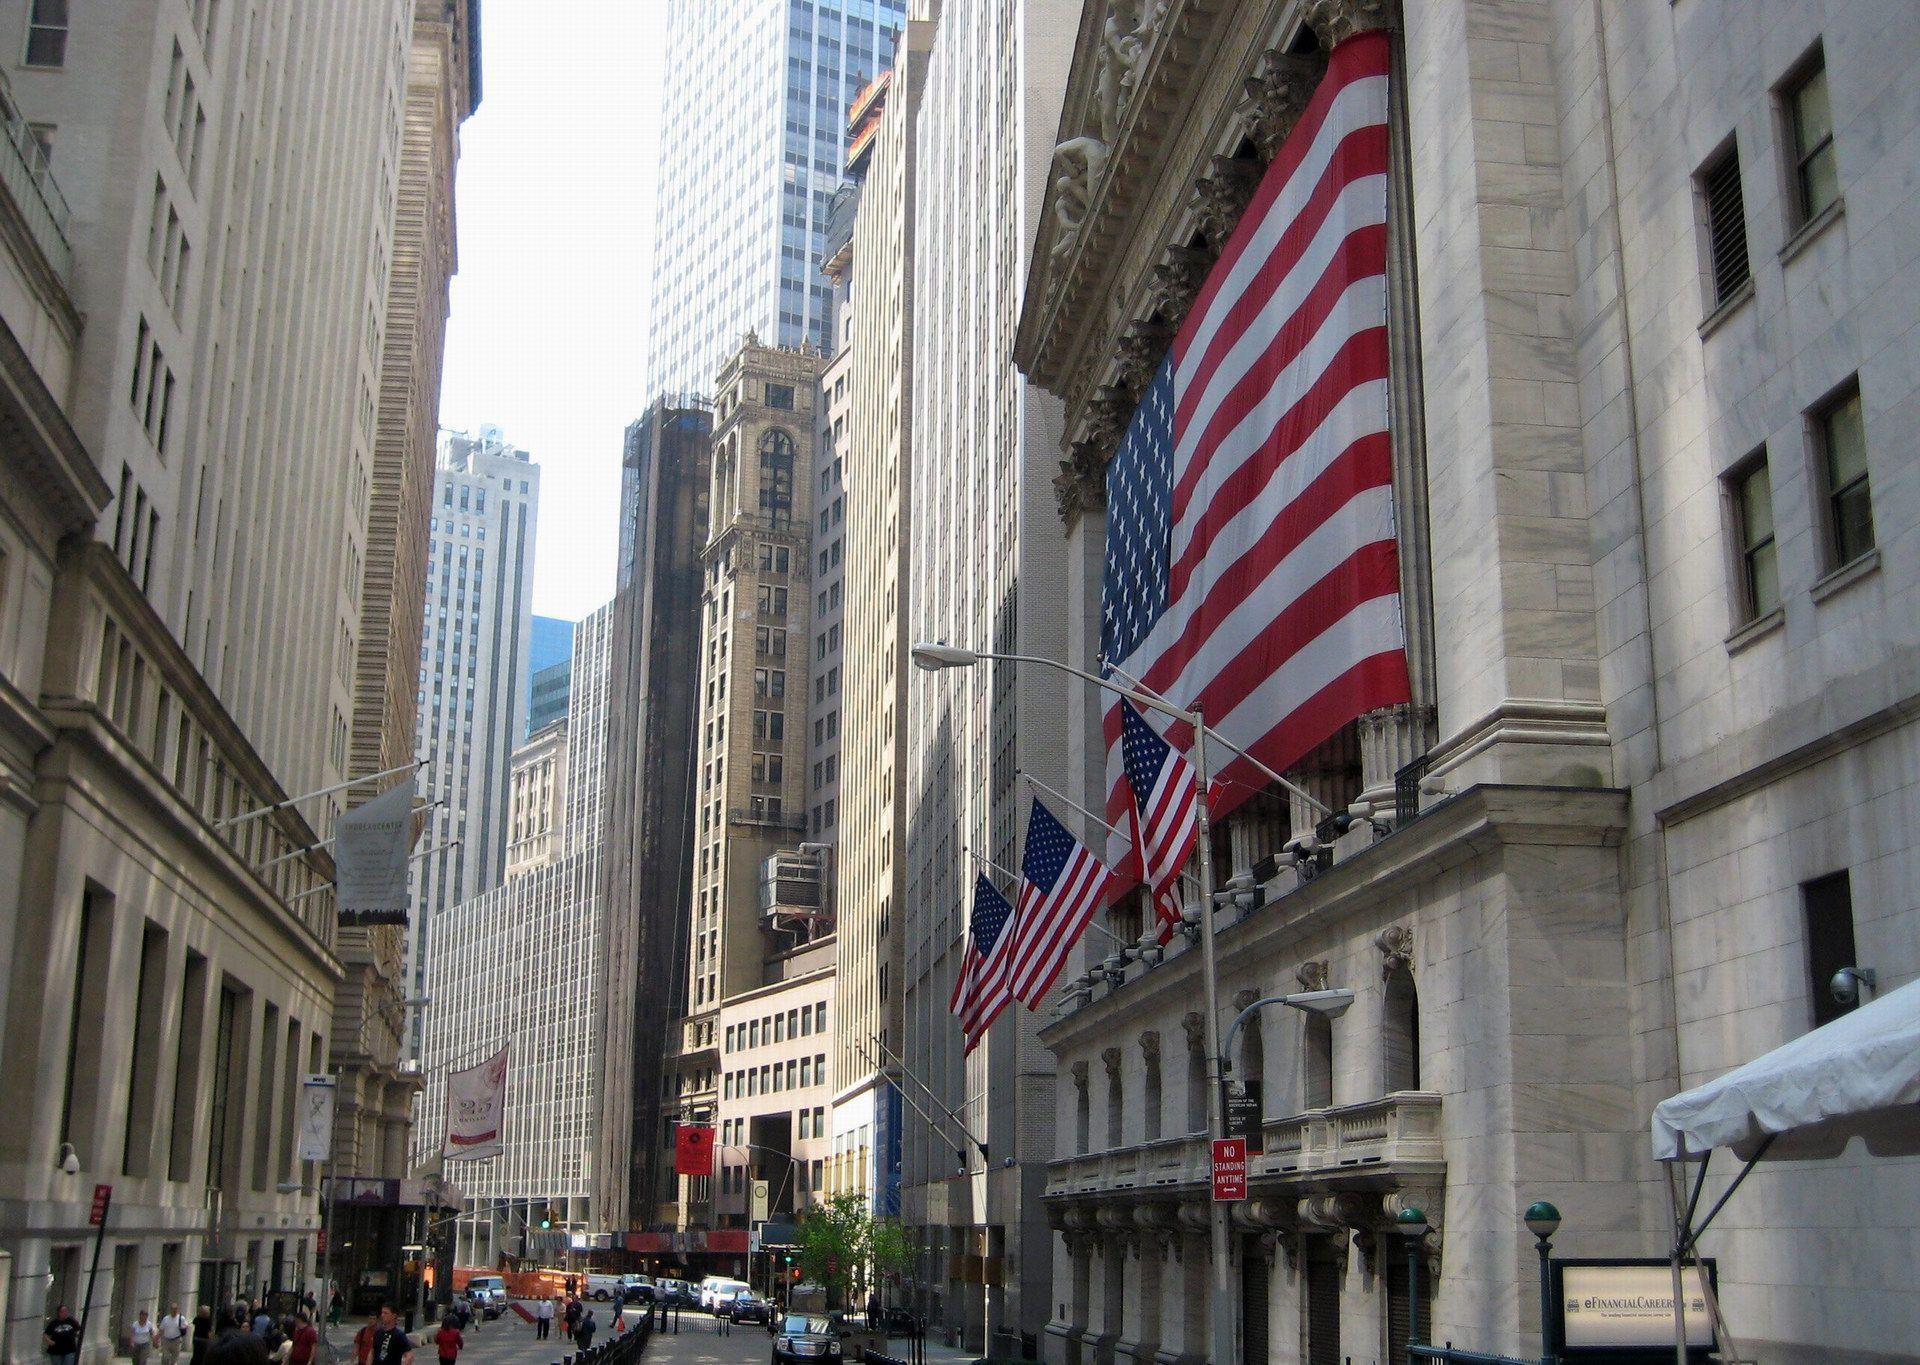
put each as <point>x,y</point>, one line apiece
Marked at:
<point>1387,1143</point>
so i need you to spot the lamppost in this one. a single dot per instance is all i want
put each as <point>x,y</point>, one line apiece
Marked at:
<point>1543,1220</point>
<point>1412,1224</point>
<point>1226,1350</point>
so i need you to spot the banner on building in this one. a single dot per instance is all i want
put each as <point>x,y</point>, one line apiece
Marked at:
<point>693,1149</point>
<point>476,1108</point>
<point>316,1117</point>
<point>370,848</point>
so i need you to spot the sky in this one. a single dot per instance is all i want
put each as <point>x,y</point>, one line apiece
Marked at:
<point>554,204</point>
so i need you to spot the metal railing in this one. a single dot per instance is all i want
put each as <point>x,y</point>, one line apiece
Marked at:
<point>624,1348</point>
<point>25,173</point>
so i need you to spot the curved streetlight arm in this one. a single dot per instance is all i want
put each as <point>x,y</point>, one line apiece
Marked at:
<point>1330,1002</point>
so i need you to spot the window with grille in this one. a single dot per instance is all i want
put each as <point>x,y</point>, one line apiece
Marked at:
<point>1726,226</point>
<point>1816,178</point>
<point>1841,434</point>
<point>1750,496</point>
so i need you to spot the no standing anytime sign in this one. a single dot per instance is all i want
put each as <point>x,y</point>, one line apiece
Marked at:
<point>1229,1169</point>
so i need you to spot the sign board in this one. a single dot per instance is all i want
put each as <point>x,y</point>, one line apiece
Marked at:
<point>758,1196</point>
<point>370,848</point>
<point>476,1110</point>
<point>774,1236</point>
<point>1622,1309</point>
<point>1229,1169</point>
<point>320,1242</point>
<point>316,1116</point>
<point>693,1149</point>
<point>1245,1118</point>
<point>101,1195</point>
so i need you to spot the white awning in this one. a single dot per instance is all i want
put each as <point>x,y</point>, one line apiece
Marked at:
<point>1858,1076</point>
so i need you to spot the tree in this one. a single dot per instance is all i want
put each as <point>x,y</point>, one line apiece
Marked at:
<point>845,1249</point>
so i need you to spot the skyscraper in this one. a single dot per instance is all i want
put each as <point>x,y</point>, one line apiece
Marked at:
<point>647,870</point>
<point>549,672</point>
<point>747,177</point>
<point>983,460</point>
<point>473,670</point>
<point>514,966</point>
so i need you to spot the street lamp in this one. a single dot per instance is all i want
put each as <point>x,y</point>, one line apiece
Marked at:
<point>1412,1224</point>
<point>1543,1220</point>
<point>933,657</point>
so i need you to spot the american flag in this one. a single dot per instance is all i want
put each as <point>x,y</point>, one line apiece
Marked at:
<point>1251,568</point>
<point>983,987</point>
<point>1160,812</point>
<point>1062,884</point>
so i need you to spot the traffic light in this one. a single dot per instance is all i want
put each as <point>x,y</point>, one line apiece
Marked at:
<point>546,1216</point>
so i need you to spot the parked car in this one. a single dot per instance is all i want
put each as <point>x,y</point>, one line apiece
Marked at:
<point>809,1337</point>
<point>488,1295</point>
<point>674,1293</point>
<point>723,1297</point>
<point>714,1286</point>
<point>636,1288</point>
<point>601,1288</point>
<point>747,1306</point>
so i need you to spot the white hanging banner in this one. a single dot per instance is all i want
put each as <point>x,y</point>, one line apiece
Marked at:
<point>316,1117</point>
<point>476,1107</point>
<point>370,858</point>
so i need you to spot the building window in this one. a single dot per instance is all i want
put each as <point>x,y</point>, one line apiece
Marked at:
<point>47,33</point>
<point>1816,178</point>
<point>1840,432</point>
<point>776,477</point>
<point>780,396</point>
<point>1726,214</point>
<point>1750,497</point>
<point>1828,904</point>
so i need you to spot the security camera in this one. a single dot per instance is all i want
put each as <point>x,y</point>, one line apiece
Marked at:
<point>1301,846</point>
<point>1848,981</point>
<point>69,1160</point>
<point>1363,813</point>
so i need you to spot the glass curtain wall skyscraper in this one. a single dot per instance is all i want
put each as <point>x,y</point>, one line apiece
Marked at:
<point>752,142</point>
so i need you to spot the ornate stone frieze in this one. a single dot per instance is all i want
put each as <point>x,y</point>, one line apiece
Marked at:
<point>1222,194</point>
<point>1077,166</point>
<point>1395,943</point>
<point>1278,95</point>
<point>1335,21</point>
<point>1127,34</point>
<point>1312,976</point>
<point>1142,346</point>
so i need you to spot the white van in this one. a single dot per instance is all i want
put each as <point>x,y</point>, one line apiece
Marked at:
<point>712,1287</point>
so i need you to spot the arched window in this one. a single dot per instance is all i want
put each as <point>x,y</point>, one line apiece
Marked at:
<point>1196,1084</point>
<point>1400,1033</point>
<point>1316,1069</point>
<point>1150,1085</point>
<point>776,477</point>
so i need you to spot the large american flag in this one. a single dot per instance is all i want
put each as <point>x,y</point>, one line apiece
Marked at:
<point>1161,792</point>
<point>984,984</point>
<point>1061,885</point>
<point>1251,564</point>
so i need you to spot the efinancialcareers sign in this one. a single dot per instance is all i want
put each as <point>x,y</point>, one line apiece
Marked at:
<point>1626,1306</point>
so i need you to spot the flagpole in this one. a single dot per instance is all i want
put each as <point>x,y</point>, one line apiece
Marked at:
<point>1073,805</point>
<point>315,848</point>
<point>894,1057</point>
<point>1091,924</point>
<point>1226,743</point>
<point>255,814</point>
<point>1226,1350</point>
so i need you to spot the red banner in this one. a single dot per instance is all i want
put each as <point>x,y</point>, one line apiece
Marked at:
<point>693,1149</point>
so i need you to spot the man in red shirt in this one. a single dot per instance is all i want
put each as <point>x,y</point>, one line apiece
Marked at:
<point>305,1338</point>
<point>448,1340</point>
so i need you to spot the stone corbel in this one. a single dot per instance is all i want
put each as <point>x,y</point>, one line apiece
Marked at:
<point>1222,196</point>
<point>1079,1242</point>
<point>1278,95</point>
<point>1395,943</point>
<point>1335,21</point>
<point>1177,279</point>
<point>1262,1214</point>
<point>1150,1046</point>
<point>1194,1215</point>
<point>1110,1058</point>
<point>1195,1026</point>
<point>1137,354</point>
<point>1312,976</point>
<point>1079,1070</point>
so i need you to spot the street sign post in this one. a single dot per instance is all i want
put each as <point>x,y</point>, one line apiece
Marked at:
<point>102,1201</point>
<point>1229,1169</point>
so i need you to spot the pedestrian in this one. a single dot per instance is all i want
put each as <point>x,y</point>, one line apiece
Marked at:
<point>62,1338</point>
<point>572,1316</point>
<point>173,1335</point>
<point>140,1337</point>
<point>305,1340</point>
<point>448,1340</point>
<point>263,1324</point>
<point>202,1334</point>
<point>583,1332</point>
<point>363,1341</point>
<point>390,1345</point>
<point>338,1308</point>
<point>236,1347</point>
<point>543,1320</point>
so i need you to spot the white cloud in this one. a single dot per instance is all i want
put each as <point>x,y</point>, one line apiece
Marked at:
<point>555,215</point>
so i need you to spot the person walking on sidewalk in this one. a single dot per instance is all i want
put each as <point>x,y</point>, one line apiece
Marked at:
<point>583,1332</point>
<point>140,1336</point>
<point>304,1340</point>
<point>448,1340</point>
<point>62,1338</point>
<point>543,1320</point>
<point>173,1335</point>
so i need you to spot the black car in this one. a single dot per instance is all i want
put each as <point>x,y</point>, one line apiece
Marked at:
<point>748,1308</point>
<point>812,1338</point>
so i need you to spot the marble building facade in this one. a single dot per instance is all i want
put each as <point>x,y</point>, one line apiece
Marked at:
<point>1649,383</point>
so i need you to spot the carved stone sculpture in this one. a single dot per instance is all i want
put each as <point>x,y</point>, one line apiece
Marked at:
<point>1138,354</point>
<point>1077,165</point>
<point>1223,194</point>
<point>1312,976</point>
<point>1335,21</point>
<point>1395,943</point>
<point>1278,95</point>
